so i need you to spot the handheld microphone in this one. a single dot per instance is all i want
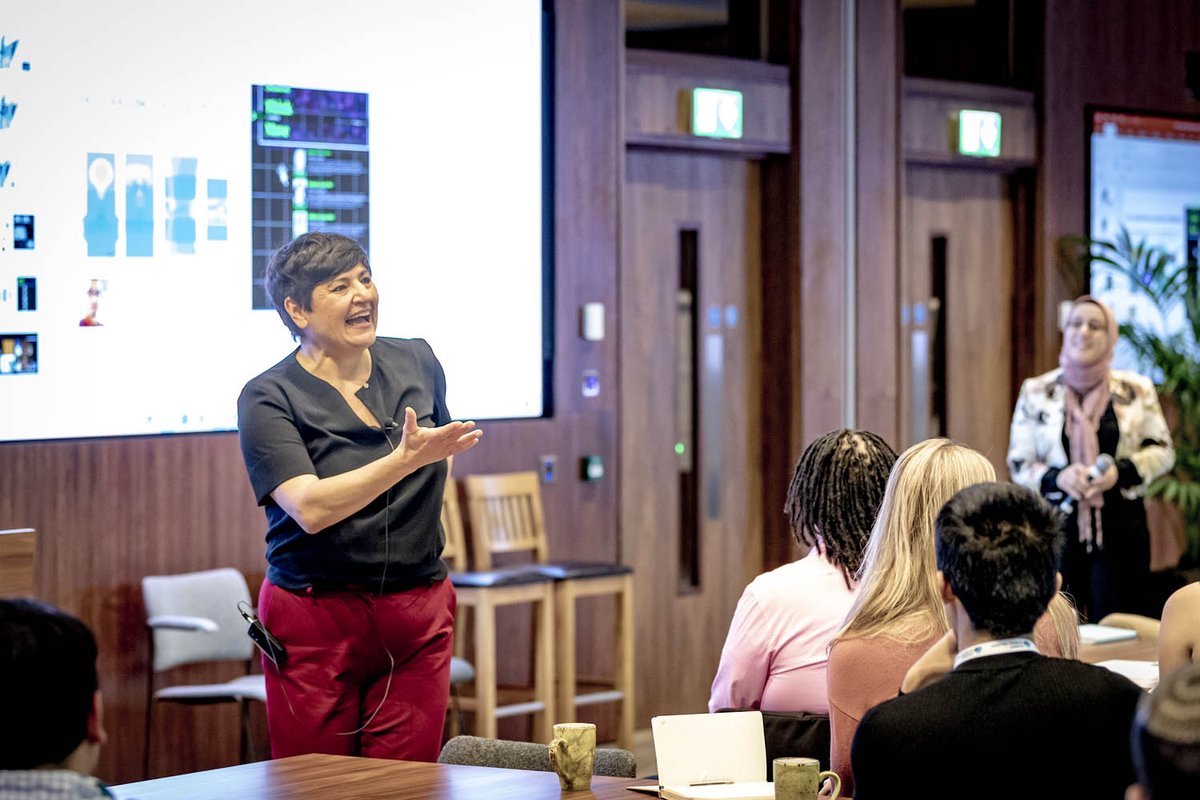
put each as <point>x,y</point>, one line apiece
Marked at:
<point>1103,462</point>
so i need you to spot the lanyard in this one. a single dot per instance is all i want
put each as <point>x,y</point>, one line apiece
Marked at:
<point>994,648</point>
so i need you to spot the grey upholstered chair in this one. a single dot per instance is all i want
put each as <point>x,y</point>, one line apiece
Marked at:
<point>193,617</point>
<point>479,752</point>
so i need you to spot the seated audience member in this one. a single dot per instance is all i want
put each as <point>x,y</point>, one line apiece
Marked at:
<point>1179,633</point>
<point>1166,739</point>
<point>897,614</point>
<point>1006,721</point>
<point>51,722</point>
<point>777,648</point>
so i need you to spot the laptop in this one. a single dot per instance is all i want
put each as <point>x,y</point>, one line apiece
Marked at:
<point>711,755</point>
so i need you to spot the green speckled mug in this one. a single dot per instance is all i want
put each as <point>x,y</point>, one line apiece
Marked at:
<point>800,779</point>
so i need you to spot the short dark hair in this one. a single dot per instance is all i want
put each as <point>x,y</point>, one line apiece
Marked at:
<point>47,682</point>
<point>998,546</point>
<point>305,263</point>
<point>836,489</point>
<point>1166,737</point>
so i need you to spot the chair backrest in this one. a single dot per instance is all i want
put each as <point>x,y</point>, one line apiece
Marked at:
<point>17,549</point>
<point>212,594</point>
<point>480,752</point>
<point>455,551</point>
<point>793,733</point>
<point>505,515</point>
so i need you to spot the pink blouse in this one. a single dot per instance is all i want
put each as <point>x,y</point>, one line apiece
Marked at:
<point>775,654</point>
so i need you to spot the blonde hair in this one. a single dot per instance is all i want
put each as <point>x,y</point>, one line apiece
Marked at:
<point>1064,619</point>
<point>898,590</point>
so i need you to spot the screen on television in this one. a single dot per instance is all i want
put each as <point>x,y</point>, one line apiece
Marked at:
<point>153,156</point>
<point>1145,178</point>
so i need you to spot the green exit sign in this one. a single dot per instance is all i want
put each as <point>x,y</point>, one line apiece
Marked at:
<point>979,133</point>
<point>717,113</point>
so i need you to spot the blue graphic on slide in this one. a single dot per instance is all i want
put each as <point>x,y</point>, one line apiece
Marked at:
<point>181,191</point>
<point>100,224</point>
<point>7,51</point>
<point>4,167</point>
<point>218,213</point>
<point>139,206</point>
<point>7,112</point>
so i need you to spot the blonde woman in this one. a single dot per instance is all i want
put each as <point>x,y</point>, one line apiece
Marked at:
<point>898,613</point>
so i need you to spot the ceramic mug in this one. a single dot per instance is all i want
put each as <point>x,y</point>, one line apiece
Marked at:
<point>573,754</point>
<point>800,779</point>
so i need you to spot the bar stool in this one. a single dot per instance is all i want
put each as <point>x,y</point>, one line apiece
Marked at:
<point>483,591</point>
<point>505,516</point>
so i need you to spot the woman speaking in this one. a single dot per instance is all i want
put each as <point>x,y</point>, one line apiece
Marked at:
<point>346,442</point>
<point>1091,439</point>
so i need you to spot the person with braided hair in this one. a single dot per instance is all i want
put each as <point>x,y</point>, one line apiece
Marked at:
<point>776,651</point>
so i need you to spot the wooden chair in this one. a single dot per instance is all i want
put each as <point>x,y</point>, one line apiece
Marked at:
<point>482,591</point>
<point>505,515</point>
<point>17,549</point>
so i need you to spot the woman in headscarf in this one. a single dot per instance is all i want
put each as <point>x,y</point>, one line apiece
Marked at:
<point>1065,423</point>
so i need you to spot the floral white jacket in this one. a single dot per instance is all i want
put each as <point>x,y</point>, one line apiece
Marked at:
<point>1035,442</point>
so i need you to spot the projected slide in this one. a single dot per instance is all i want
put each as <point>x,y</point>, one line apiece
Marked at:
<point>1145,177</point>
<point>136,219</point>
<point>310,170</point>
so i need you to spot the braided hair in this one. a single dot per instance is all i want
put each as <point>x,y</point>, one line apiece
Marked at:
<point>835,493</point>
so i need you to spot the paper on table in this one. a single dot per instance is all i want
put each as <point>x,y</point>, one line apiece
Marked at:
<point>1092,633</point>
<point>741,790</point>
<point>1143,673</point>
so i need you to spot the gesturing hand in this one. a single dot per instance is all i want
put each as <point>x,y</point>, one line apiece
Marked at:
<point>429,445</point>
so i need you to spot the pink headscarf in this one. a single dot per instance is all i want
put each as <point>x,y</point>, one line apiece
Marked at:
<point>1086,400</point>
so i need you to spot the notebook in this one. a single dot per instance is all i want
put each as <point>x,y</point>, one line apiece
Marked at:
<point>718,756</point>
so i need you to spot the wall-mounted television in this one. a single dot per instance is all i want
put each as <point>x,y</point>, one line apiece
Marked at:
<point>1144,177</point>
<point>153,155</point>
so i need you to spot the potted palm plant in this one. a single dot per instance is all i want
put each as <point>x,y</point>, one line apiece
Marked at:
<point>1169,354</point>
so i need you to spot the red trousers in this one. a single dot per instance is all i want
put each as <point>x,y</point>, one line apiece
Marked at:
<point>339,692</point>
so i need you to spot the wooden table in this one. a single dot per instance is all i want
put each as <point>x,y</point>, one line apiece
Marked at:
<point>324,777</point>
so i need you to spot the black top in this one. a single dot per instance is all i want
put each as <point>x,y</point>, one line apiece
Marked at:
<point>290,423</point>
<point>1001,726</point>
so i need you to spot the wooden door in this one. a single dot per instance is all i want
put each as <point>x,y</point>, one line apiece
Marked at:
<point>957,330</point>
<point>690,433</point>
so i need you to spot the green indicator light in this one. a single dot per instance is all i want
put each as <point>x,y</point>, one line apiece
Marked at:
<point>276,130</point>
<point>274,105</point>
<point>679,448</point>
<point>322,216</point>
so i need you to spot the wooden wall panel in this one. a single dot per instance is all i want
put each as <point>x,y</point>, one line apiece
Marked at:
<point>658,101</point>
<point>877,245</point>
<point>111,511</point>
<point>805,276</point>
<point>1108,52</point>
<point>931,115</point>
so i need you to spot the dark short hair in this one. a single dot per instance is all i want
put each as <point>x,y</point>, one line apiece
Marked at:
<point>305,263</point>
<point>1166,737</point>
<point>998,545</point>
<point>836,489</point>
<point>47,682</point>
